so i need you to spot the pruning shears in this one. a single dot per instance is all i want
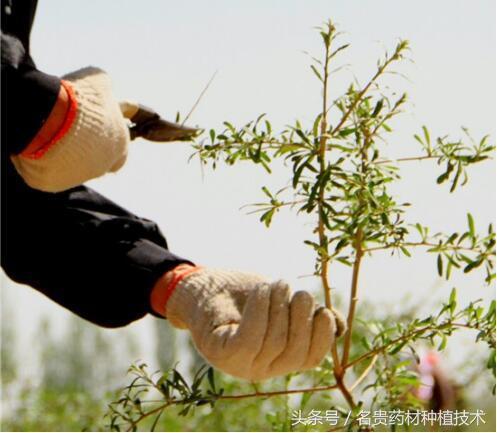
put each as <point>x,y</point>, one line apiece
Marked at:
<point>148,124</point>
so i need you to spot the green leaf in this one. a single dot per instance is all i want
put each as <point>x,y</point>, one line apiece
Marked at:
<point>316,72</point>
<point>491,310</point>
<point>365,343</point>
<point>344,261</point>
<point>268,127</point>
<point>397,348</point>
<point>210,377</point>
<point>443,343</point>
<point>341,243</point>
<point>442,178</point>
<point>296,175</point>
<point>456,177</point>
<point>440,267</point>
<point>427,135</point>
<point>266,191</point>
<point>418,139</point>
<point>407,380</point>
<point>346,131</point>
<point>315,126</point>
<point>229,126</point>
<point>265,165</point>
<point>386,127</point>
<point>285,148</point>
<point>304,137</point>
<point>377,108</point>
<point>453,300</point>
<point>471,225</point>
<point>472,265</point>
<point>448,270</point>
<point>452,238</point>
<point>343,47</point>
<point>267,217</point>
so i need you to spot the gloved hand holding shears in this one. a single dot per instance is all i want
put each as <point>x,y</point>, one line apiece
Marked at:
<point>93,136</point>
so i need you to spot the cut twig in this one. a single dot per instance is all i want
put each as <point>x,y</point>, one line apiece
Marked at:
<point>199,98</point>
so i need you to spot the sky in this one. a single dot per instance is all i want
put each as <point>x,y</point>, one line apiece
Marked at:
<point>162,53</point>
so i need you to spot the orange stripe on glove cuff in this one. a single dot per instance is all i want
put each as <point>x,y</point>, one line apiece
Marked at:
<point>166,285</point>
<point>33,150</point>
<point>89,140</point>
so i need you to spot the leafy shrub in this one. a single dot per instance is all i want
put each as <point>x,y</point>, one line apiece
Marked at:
<point>338,175</point>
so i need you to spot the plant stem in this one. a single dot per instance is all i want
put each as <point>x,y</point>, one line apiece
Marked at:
<point>345,392</point>
<point>149,413</point>
<point>277,393</point>
<point>403,338</point>
<point>353,296</point>
<point>257,394</point>
<point>422,244</point>
<point>407,159</point>
<point>199,98</point>
<point>359,252</point>
<point>346,115</point>
<point>323,242</point>
<point>364,373</point>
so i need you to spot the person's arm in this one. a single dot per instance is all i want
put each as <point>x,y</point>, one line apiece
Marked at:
<point>59,133</point>
<point>28,97</point>
<point>83,251</point>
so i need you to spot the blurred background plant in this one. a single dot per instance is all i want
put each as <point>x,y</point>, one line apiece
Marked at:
<point>74,401</point>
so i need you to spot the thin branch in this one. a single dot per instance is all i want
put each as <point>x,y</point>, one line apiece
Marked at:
<point>147,414</point>
<point>199,97</point>
<point>407,159</point>
<point>322,165</point>
<point>323,242</point>
<point>269,394</point>
<point>362,93</point>
<point>264,206</point>
<point>421,244</point>
<point>417,158</point>
<point>364,373</point>
<point>353,297</point>
<point>359,252</point>
<point>277,393</point>
<point>346,392</point>
<point>270,144</point>
<point>402,338</point>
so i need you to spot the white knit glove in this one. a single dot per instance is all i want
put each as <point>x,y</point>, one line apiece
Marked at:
<point>250,328</point>
<point>96,142</point>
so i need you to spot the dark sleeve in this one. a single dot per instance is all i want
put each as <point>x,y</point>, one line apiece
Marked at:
<point>28,96</point>
<point>84,252</point>
<point>78,248</point>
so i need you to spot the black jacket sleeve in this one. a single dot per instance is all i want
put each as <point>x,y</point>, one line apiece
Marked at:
<point>80,249</point>
<point>83,251</point>
<point>28,95</point>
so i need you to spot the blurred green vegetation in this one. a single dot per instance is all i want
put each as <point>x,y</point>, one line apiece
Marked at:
<point>71,392</point>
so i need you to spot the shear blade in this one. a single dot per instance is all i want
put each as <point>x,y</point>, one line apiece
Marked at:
<point>149,125</point>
